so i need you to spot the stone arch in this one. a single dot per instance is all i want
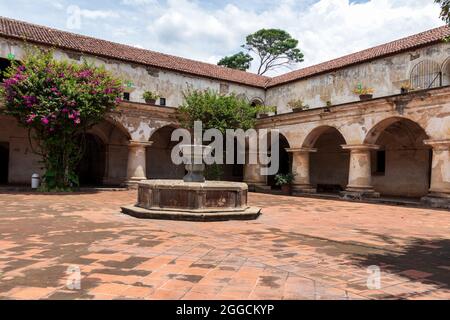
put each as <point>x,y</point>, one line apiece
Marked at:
<point>257,101</point>
<point>116,123</point>
<point>402,165</point>
<point>375,132</point>
<point>159,162</point>
<point>316,133</point>
<point>112,140</point>
<point>329,163</point>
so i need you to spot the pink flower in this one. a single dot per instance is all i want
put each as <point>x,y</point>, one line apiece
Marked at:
<point>31,118</point>
<point>77,121</point>
<point>45,121</point>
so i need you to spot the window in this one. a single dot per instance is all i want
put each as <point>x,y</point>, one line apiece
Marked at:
<point>380,168</point>
<point>426,74</point>
<point>162,102</point>
<point>126,96</point>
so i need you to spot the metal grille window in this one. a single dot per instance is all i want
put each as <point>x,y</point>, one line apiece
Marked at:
<point>426,74</point>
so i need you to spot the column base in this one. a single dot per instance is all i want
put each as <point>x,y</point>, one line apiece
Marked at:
<point>437,200</point>
<point>352,193</point>
<point>257,186</point>
<point>302,189</point>
<point>133,182</point>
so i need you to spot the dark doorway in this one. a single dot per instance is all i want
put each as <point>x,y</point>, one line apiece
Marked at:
<point>91,169</point>
<point>4,162</point>
<point>285,162</point>
<point>4,64</point>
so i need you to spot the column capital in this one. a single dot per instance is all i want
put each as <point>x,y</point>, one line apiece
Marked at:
<point>360,147</point>
<point>442,145</point>
<point>144,144</point>
<point>301,150</point>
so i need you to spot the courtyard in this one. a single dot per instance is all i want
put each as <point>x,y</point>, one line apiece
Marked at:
<point>300,248</point>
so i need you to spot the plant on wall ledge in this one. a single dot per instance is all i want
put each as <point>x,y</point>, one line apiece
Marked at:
<point>58,101</point>
<point>406,87</point>
<point>297,105</point>
<point>365,93</point>
<point>150,97</point>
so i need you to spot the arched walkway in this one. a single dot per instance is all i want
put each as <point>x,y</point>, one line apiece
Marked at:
<point>402,165</point>
<point>159,162</point>
<point>285,162</point>
<point>329,164</point>
<point>91,169</point>
<point>106,156</point>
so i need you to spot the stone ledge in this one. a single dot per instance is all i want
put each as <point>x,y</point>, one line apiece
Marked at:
<point>251,213</point>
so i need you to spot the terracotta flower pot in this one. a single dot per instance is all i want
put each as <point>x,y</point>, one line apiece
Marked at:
<point>150,101</point>
<point>365,97</point>
<point>263,115</point>
<point>297,110</point>
<point>286,189</point>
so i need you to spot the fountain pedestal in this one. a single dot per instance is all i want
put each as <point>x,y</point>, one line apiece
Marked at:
<point>193,198</point>
<point>179,200</point>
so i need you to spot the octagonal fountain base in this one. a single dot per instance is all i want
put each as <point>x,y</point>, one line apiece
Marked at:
<point>192,201</point>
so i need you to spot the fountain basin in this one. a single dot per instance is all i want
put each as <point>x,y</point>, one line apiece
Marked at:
<point>192,201</point>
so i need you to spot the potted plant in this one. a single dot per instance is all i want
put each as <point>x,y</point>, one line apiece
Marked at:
<point>263,111</point>
<point>150,97</point>
<point>297,105</point>
<point>406,87</point>
<point>285,182</point>
<point>364,93</point>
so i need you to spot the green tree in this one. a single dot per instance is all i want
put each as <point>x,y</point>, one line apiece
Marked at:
<point>58,101</point>
<point>445,10</point>
<point>240,61</point>
<point>275,48</point>
<point>217,111</point>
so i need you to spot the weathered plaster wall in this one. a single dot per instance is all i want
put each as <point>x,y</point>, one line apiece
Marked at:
<point>22,161</point>
<point>385,75</point>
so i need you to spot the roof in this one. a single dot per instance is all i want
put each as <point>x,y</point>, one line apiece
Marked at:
<point>33,33</point>
<point>66,40</point>
<point>388,49</point>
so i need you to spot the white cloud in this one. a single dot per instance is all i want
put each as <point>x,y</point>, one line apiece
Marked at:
<point>138,2</point>
<point>326,30</point>
<point>208,30</point>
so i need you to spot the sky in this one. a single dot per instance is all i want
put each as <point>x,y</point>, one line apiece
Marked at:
<point>209,30</point>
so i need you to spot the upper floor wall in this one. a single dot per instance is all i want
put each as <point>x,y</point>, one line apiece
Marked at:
<point>422,68</point>
<point>169,85</point>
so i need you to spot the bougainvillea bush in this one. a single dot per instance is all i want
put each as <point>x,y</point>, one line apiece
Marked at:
<point>58,101</point>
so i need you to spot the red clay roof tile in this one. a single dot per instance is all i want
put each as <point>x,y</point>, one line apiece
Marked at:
<point>52,37</point>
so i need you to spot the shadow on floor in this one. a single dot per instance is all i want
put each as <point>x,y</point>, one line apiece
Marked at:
<point>421,260</point>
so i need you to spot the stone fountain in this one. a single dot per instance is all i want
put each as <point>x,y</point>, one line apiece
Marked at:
<point>193,198</point>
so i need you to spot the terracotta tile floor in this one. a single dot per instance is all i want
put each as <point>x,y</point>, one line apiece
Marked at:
<point>299,249</point>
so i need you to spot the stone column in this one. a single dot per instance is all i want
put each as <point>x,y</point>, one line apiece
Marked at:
<point>136,169</point>
<point>360,172</point>
<point>252,174</point>
<point>439,195</point>
<point>301,170</point>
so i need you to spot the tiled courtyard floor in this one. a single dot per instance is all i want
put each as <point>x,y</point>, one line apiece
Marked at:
<point>298,249</point>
